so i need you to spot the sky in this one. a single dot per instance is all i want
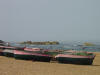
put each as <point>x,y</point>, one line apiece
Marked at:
<point>49,20</point>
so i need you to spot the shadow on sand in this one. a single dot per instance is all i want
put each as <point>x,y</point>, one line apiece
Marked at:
<point>95,65</point>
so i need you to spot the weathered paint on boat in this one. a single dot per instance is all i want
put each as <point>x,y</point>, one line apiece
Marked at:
<point>8,53</point>
<point>75,59</point>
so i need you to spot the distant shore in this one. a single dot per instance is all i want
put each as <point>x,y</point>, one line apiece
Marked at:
<point>41,43</point>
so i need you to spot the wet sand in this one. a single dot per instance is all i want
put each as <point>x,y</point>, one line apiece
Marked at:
<point>11,66</point>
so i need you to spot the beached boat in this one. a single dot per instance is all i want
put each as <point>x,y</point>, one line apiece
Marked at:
<point>42,51</point>
<point>32,49</point>
<point>11,48</point>
<point>1,52</point>
<point>6,47</point>
<point>76,58</point>
<point>22,55</point>
<point>31,56</point>
<point>2,47</point>
<point>8,53</point>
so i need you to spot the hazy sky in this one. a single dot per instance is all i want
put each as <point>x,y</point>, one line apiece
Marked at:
<point>43,20</point>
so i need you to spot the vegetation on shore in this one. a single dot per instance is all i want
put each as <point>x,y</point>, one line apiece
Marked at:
<point>41,43</point>
<point>89,44</point>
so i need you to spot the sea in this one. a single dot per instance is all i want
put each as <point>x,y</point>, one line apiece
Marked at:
<point>63,46</point>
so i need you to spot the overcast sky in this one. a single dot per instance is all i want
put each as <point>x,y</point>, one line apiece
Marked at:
<point>43,20</point>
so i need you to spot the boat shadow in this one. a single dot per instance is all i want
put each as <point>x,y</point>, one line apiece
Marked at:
<point>95,65</point>
<point>92,65</point>
<point>81,64</point>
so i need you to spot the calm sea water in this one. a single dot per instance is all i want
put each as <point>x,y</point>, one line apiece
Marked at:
<point>63,46</point>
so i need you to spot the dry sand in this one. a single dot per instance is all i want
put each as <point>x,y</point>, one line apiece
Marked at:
<point>10,66</point>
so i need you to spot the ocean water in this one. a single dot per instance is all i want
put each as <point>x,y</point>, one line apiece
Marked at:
<point>63,46</point>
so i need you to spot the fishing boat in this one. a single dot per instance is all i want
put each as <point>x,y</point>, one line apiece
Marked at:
<point>2,47</point>
<point>11,48</point>
<point>22,55</point>
<point>32,49</point>
<point>1,52</point>
<point>8,53</point>
<point>76,58</point>
<point>31,56</point>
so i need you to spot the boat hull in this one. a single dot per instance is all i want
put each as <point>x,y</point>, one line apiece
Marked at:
<point>31,56</point>
<point>81,61</point>
<point>42,58</point>
<point>1,52</point>
<point>7,54</point>
<point>23,57</point>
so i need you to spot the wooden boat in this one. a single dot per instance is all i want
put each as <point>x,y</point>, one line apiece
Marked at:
<point>8,53</point>
<point>32,49</point>
<point>11,48</point>
<point>22,55</point>
<point>31,56</point>
<point>1,52</point>
<point>75,59</point>
<point>2,47</point>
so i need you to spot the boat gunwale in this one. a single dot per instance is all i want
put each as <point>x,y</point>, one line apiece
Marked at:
<point>74,56</point>
<point>28,53</point>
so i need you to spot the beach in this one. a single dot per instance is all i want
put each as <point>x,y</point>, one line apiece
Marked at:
<point>11,66</point>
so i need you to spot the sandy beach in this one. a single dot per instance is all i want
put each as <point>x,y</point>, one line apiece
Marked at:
<point>11,66</point>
